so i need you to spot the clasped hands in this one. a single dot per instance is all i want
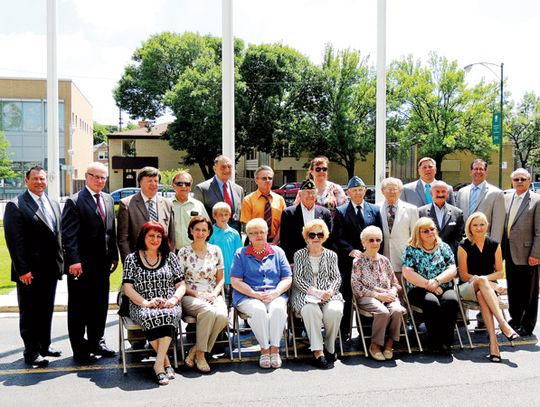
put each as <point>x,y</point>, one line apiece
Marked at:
<point>433,286</point>
<point>323,295</point>
<point>159,302</point>
<point>384,296</point>
<point>208,297</point>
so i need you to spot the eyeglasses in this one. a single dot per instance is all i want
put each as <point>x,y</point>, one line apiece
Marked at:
<point>98,177</point>
<point>182,183</point>
<point>313,235</point>
<point>520,179</point>
<point>257,233</point>
<point>373,240</point>
<point>427,231</point>
<point>391,190</point>
<point>323,169</point>
<point>266,178</point>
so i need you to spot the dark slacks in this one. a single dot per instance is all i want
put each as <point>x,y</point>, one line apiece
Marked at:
<point>439,312</point>
<point>36,306</point>
<point>345,269</point>
<point>88,302</point>
<point>522,283</point>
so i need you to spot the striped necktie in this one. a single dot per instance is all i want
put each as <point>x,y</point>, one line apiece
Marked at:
<point>152,213</point>
<point>268,215</point>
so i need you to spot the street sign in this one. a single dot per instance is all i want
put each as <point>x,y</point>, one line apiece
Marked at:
<point>496,128</point>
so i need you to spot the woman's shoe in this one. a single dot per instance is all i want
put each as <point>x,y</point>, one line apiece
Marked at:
<point>513,336</point>
<point>275,360</point>
<point>161,378</point>
<point>376,355</point>
<point>202,365</point>
<point>264,361</point>
<point>495,358</point>
<point>189,361</point>
<point>169,371</point>
<point>388,354</point>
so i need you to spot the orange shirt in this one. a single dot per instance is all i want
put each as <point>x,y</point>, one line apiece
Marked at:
<point>253,207</point>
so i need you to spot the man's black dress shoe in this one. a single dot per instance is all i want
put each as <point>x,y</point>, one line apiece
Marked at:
<point>85,358</point>
<point>103,350</point>
<point>445,350</point>
<point>38,361</point>
<point>320,362</point>
<point>55,353</point>
<point>522,332</point>
<point>330,357</point>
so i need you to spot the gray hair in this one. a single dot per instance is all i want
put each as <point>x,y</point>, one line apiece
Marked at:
<point>391,180</point>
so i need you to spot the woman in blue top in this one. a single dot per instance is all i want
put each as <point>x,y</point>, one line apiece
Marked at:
<point>260,277</point>
<point>429,268</point>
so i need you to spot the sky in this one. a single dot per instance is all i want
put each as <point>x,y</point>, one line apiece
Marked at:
<point>96,38</point>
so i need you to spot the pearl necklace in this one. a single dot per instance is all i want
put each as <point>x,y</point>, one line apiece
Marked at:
<point>158,258</point>
<point>258,252</point>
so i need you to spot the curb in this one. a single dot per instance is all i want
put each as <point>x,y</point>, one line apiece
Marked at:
<point>57,308</point>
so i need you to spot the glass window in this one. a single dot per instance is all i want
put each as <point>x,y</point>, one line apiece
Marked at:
<point>128,148</point>
<point>32,116</point>
<point>103,155</point>
<point>11,116</point>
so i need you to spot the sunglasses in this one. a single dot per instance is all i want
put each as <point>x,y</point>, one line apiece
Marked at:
<point>520,179</point>
<point>323,169</point>
<point>266,178</point>
<point>313,235</point>
<point>372,240</point>
<point>426,231</point>
<point>182,183</point>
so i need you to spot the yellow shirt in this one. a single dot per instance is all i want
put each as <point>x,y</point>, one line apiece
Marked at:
<point>253,207</point>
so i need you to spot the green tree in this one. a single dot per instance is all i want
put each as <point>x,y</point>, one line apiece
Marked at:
<point>101,131</point>
<point>524,130</point>
<point>438,112</point>
<point>5,162</point>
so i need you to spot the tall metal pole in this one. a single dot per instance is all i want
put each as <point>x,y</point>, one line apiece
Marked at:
<point>380,132</point>
<point>502,127</point>
<point>227,80</point>
<point>52,103</point>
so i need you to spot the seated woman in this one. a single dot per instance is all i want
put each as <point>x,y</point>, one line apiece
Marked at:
<point>315,295</point>
<point>375,288</point>
<point>429,268</point>
<point>260,277</point>
<point>480,265</point>
<point>154,283</point>
<point>203,270</point>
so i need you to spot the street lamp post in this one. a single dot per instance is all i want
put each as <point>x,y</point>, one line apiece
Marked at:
<point>501,99</point>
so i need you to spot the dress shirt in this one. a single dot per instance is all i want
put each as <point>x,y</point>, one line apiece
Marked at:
<point>307,214</point>
<point>182,217</point>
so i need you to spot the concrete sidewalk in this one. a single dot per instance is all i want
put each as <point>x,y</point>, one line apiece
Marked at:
<point>8,302</point>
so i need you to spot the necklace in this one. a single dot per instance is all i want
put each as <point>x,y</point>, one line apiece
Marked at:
<point>258,252</point>
<point>148,261</point>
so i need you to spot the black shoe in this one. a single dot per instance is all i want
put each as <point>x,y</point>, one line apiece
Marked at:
<point>103,350</point>
<point>38,361</point>
<point>480,326</point>
<point>330,357</point>
<point>55,353</point>
<point>445,350</point>
<point>521,332</point>
<point>85,359</point>
<point>320,362</point>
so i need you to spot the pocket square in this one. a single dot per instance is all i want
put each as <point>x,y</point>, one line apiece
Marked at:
<point>451,223</point>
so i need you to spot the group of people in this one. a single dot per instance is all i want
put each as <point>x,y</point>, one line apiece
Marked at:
<point>328,249</point>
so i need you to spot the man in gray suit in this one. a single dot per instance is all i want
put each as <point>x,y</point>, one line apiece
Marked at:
<point>522,252</point>
<point>417,193</point>
<point>135,210</point>
<point>448,218</point>
<point>480,196</point>
<point>221,189</point>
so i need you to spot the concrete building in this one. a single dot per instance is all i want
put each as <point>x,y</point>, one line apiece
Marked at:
<point>23,119</point>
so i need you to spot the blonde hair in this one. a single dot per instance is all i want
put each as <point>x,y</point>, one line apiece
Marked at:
<point>308,227</point>
<point>256,223</point>
<point>221,207</point>
<point>470,219</point>
<point>423,222</point>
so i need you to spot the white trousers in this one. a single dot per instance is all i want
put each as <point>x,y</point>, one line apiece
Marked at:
<point>266,320</point>
<point>328,315</point>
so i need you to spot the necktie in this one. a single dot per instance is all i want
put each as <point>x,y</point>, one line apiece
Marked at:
<point>99,207</point>
<point>268,215</point>
<point>428,194</point>
<point>227,196</point>
<point>359,216</point>
<point>473,199</point>
<point>152,213</point>
<point>391,216</point>
<point>48,217</point>
<point>513,212</point>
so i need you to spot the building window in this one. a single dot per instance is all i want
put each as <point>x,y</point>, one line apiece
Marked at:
<point>103,155</point>
<point>250,174</point>
<point>32,116</point>
<point>128,148</point>
<point>251,154</point>
<point>12,116</point>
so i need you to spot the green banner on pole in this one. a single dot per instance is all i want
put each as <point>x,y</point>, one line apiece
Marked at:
<point>496,128</point>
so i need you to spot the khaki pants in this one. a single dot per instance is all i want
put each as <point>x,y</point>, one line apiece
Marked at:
<point>385,317</point>
<point>211,319</point>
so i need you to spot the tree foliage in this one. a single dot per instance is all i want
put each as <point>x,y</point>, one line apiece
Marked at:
<point>101,131</point>
<point>524,130</point>
<point>5,162</point>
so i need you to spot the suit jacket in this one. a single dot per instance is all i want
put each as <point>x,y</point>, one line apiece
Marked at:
<point>292,222</point>
<point>132,214</point>
<point>453,229</point>
<point>32,244</point>
<point>396,242</point>
<point>87,238</point>
<point>490,202</point>
<point>415,194</point>
<point>524,239</point>
<point>209,193</point>
<point>346,232</point>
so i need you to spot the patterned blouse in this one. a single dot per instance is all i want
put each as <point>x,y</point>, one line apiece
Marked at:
<point>200,274</point>
<point>429,265</point>
<point>369,273</point>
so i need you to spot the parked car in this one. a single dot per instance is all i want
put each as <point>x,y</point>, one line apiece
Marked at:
<point>370,193</point>
<point>124,192</point>
<point>288,191</point>
<point>535,186</point>
<point>457,187</point>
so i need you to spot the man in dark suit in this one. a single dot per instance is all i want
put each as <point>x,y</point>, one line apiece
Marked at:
<point>447,218</point>
<point>221,189</point>
<point>522,252</point>
<point>33,237</point>
<point>91,255</point>
<point>417,193</point>
<point>349,221</point>
<point>295,217</point>
<point>135,210</point>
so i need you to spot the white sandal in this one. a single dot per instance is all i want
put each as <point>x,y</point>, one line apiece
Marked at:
<point>275,360</point>
<point>264,361</point>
